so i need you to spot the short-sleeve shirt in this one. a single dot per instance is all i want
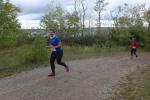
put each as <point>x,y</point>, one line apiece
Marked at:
<point>133,44</point>
<point>54,42</point>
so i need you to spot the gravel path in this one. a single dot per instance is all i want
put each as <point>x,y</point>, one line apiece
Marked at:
<point>87,79</point>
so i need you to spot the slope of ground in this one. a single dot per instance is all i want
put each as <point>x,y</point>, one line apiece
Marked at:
<point>87,79</point>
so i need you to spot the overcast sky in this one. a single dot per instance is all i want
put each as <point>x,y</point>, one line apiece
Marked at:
<point>33,10</point>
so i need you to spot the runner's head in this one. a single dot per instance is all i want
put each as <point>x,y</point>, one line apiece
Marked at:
<point>133,38</point>
<point>52,33</point>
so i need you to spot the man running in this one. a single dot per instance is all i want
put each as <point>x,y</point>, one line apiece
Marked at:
<point>133,45</point>
<point>57,52</point>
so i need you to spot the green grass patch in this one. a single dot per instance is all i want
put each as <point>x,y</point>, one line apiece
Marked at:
<point>80,52</point>
<point>29,56</point>
<point>135,87</point>
<point>16,60</point>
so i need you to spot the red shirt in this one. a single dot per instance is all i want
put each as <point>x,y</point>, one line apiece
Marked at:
<point>133,44</point>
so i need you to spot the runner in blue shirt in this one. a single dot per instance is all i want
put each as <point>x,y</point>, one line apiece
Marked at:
<point>57,52</point>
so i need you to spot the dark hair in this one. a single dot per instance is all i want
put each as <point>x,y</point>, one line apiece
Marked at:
<point>52,30</point>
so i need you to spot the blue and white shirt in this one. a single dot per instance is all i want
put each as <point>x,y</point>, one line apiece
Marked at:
<point>54,41</point>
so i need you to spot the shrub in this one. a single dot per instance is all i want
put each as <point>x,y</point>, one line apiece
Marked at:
<point>87,40</point>
<point>33,53</point>
<point>7,41</point>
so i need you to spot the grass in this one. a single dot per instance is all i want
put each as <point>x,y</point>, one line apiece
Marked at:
<point>12,63</point>
<point>135,87</point>
<point>78,52</point>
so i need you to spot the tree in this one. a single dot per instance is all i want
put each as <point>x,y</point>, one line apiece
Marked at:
<point>129,22</point>
<point>128,16</point>
<point>147,17</point>
<point>83,15</point>
<point>80,8</point>
<point>54,19</point>
<point>147,35</point>
<point>9,25</point>
<point>90,22</point>
<point>75,6</point>
<point>48,22</point>
<point>73,23</point>
<point>60,17</point>
<point>99,8</point>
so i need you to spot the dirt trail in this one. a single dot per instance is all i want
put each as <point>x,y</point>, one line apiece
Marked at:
<point>87,79</point>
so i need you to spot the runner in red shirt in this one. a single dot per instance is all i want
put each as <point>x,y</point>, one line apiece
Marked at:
<point>133,45</point>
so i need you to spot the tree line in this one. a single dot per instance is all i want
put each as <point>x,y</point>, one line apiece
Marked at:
<point>73,22</point>
<point>129,21</point>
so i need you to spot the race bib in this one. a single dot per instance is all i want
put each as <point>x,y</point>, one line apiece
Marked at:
<point>53,49</point>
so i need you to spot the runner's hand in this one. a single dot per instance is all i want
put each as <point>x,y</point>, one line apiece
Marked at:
<point>49,46</point>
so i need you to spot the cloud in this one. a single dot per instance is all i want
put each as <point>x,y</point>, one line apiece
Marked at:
<point>32,16</point>
<point>28,24</point>
<point>33,10</point>
<point>32,6</point>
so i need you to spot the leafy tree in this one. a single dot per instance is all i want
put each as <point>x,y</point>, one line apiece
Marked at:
<point>72,23</point>
<point>99,8</point>
<point>49,22</point>
<point>80,8</point>
<point>54,19</point>
<point>147,17</point>
<point>129,23</point>
<point>60,17</point>
<point>9,25</point>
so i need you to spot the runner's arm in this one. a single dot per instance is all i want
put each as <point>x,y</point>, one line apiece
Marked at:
<point>59,45</point>
<point>49,46</point>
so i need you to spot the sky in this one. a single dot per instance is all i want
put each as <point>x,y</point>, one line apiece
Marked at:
<point>32,11</point>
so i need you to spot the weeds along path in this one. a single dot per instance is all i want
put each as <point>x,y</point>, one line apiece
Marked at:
<point>87,79</point>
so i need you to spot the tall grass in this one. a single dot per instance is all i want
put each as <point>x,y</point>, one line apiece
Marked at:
<point>88,40</point>
<point>7,41</point>
<point>80,52</point>
<point>134,87</point>
<point>34,55</point>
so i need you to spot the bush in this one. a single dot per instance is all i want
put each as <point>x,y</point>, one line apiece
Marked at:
<point>23,38</point>
<point>39,48</point>
<point>146,41</point>
<point>35,52</point>
<point>120,36</point>
<point>87,40</point>
<point>7,41</point>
